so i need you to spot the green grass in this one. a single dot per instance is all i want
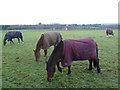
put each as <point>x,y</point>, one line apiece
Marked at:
<point>0,60</point>
<point>19,69</point>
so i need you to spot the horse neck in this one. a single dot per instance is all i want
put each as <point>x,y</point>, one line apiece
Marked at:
<point>40,43</point>
<point>52,63</point>
<point>55,56</point>
<point>38,46</point>
<point>5,39</point>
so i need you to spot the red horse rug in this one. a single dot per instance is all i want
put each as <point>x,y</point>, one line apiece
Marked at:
<point>78,49</point>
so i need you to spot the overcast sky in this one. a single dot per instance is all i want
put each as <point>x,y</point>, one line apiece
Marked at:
<point>58,11</point>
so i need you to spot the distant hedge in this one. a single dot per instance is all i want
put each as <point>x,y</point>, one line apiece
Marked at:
<point>59,26</point>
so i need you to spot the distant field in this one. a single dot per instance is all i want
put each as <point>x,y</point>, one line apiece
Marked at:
<point>19,69</point>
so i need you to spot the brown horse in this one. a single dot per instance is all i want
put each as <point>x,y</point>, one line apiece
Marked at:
<point>72,50</point>
<point>46,40</point>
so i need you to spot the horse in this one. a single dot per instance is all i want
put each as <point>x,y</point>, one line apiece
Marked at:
<point>45,42</point>
<point>13,34</point>
<point>72,50</point>
<point>109,32</point>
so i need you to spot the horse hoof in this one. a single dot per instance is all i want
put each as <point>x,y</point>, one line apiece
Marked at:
<point>61,71</point>
<point>98,71</point>
<point>69,74</point>
<point>49,80</point>
<point>45,55</point>
<point>89,69</point>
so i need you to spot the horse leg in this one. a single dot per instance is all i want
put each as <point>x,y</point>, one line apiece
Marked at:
<point>45,52</point>
<point>97,65</point>
<point>54,46</point>
<point>21,39</point>
<point>113,35</point>
<point>11,41</point>
<point>59,68</point>
<point>90,64</point>
<point>18,41</point>
<point>69,70</point>
<point>107,34</point>
<point>94,63</point>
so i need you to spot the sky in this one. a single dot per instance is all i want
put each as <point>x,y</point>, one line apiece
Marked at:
<point>58,11</point>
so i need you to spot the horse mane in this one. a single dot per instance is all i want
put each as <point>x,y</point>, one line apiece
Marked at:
<point>40,42</point>
<point>54,52</point>
<point>57,47</point>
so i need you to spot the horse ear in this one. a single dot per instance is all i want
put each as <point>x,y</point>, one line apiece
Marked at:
<point>42,35</point>
<point>61,41</point>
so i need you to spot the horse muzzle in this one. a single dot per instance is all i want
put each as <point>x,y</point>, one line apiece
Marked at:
<point>49,80</point>
<point>36,60</point>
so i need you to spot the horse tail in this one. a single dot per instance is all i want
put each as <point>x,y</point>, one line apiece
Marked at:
<point>59,38</point>
<point>94,62</point>
<point>97,50</point>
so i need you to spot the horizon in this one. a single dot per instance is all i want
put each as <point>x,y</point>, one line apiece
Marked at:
<point>67,24</point>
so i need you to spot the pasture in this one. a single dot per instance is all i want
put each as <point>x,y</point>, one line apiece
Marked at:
<point>20,70</point>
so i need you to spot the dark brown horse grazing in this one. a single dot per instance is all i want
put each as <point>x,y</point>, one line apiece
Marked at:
<point>11,35</point>
<point>46,40</point>
<point>72,50</point>
<point>109,32</point>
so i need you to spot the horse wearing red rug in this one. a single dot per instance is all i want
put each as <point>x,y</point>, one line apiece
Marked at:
<point>72,50</point>
<point>45,42</point>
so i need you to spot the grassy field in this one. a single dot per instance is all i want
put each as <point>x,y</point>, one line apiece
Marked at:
<point>19,69</point>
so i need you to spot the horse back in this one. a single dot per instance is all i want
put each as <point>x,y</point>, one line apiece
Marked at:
<point>13,34</point>
<point>51,38</point>
<point>109,31</point>
<point>78,49</point>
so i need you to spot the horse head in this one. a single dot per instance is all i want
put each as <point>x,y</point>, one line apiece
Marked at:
<point>38,47</point>
<point>4,41</point>
<point>37,55</point>
<point>53,60</point>
<point>50,71</point>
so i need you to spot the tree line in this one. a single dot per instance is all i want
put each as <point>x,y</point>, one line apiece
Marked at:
<point>60,27</point>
